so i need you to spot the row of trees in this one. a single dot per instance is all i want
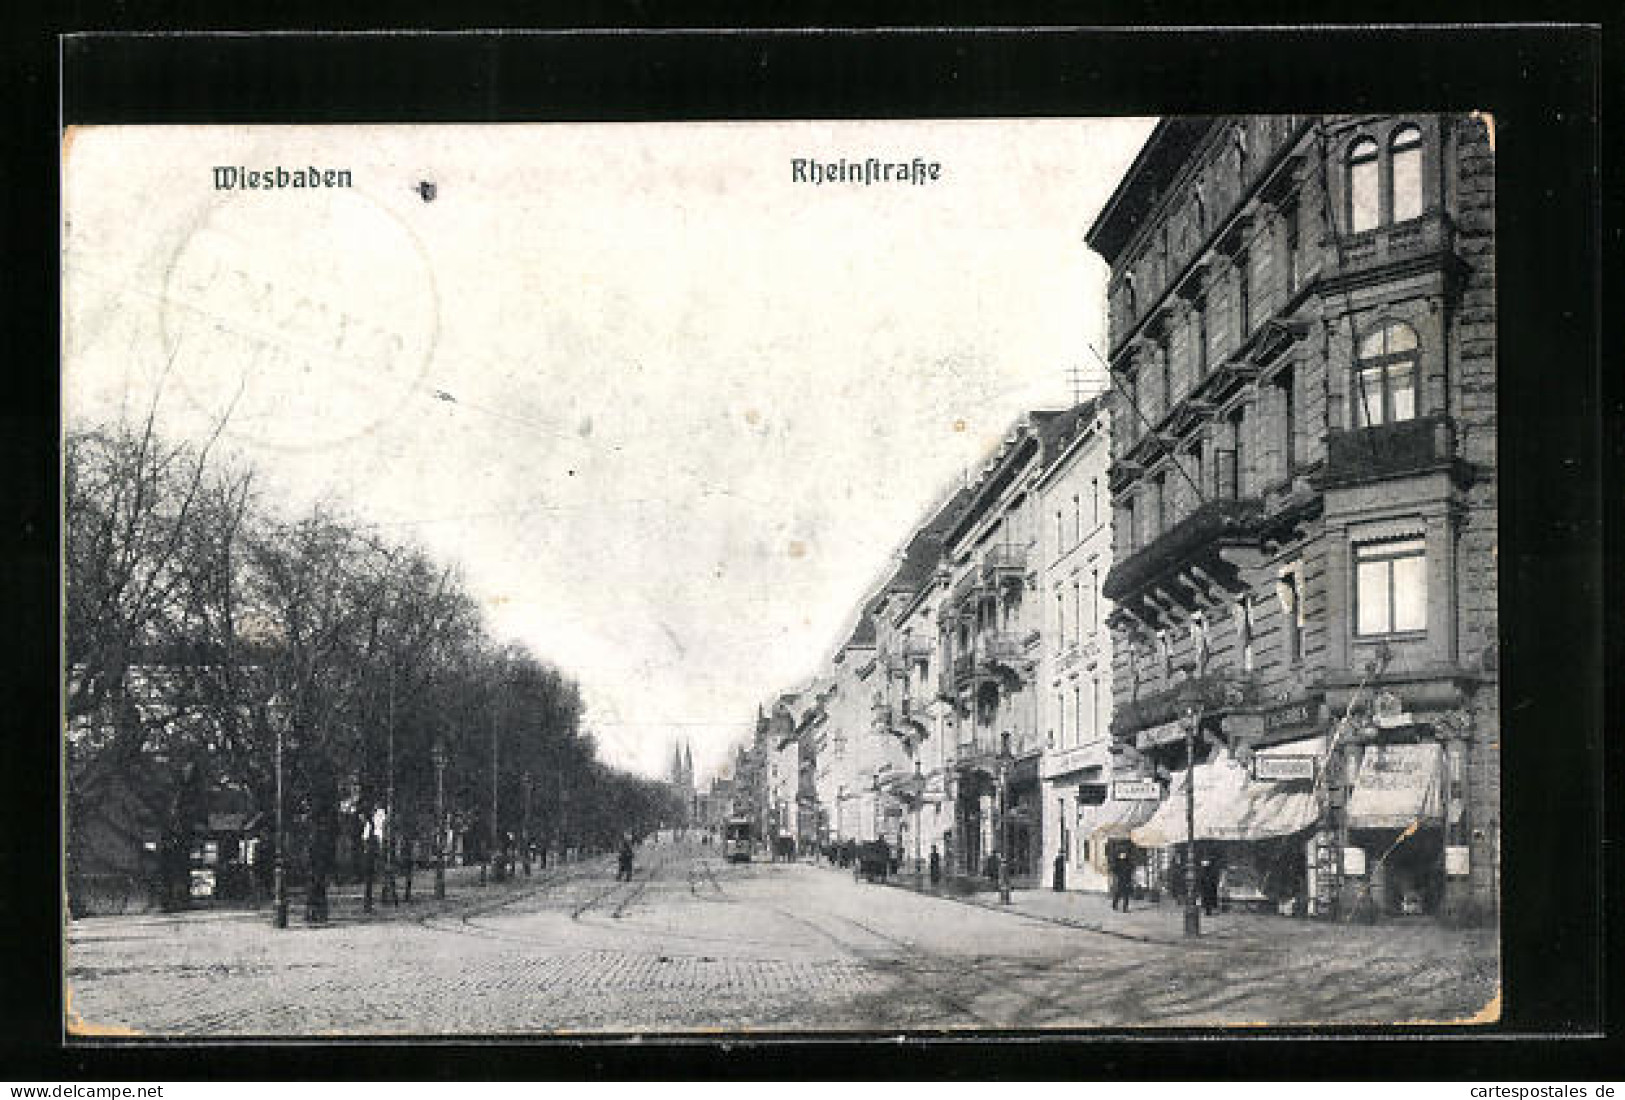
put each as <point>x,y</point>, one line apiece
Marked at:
<point>202,628</point>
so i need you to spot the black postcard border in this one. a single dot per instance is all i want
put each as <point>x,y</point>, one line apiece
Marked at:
<point>1541,83</point>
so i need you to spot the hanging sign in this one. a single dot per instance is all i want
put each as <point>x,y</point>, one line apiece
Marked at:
<point>1280,768</point>
<point>1353,861</point>
<point>1165,734</point>
<point>1291,716</point>
<point>1136,790</point>
<point>1455,860</point>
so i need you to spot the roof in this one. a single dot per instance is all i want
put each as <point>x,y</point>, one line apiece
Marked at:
<point>1049,429</point>
<point>1143,185</point>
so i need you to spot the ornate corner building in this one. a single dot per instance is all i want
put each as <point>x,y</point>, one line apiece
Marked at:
<point>1303,352</point>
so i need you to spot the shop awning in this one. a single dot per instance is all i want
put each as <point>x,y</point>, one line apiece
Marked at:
<point>1115,818</point>
<point>1230,805</point>
<point>1397,785</point>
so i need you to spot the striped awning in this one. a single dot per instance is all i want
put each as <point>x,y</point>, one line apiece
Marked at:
<point>1396,786</point>
<point>1230,805</point>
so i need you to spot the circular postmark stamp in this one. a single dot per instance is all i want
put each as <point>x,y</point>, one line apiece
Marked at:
<point>300,320</point>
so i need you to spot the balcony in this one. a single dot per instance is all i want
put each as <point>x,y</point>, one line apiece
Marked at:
<point>1003,562</point>
<point>1215,691</point>
<point>1359,258</point>
<point>1195,540</point>
<point>1401,449</point>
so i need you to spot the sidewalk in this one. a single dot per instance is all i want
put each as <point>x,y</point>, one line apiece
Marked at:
<point>1147,921</point>
<point>345,900</point>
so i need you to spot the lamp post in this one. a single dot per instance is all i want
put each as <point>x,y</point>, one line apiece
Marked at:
<point>1191,720</point>
<point>524,824</point>
<point>439,753</point>
<point>877,805</point>
<point>919,797</point>
<point>1004,796</point>
<point>279,879</point>
<point>493,865</point>
<point>387,840</point>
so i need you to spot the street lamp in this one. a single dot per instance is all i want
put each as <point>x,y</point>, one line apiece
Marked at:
<point>524,824</point>
<point>279,880</point>
<point>439,754</point>
<point>1004,797</point>
<point>1191,720</point>
<point>919,797</point>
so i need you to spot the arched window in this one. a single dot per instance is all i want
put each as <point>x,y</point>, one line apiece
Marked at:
<point>1405,164</point>
<point>1364,197</point>
<point>1385,376</point>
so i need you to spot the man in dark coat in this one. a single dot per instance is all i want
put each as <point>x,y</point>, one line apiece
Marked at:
<point>625,869</point>
<point>1208,882</point>
<point>1122,878</point>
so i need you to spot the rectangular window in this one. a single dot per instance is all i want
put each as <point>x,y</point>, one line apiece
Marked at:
<point>1060,718</point>
<point>1201,337</point>
<point>1244,297</point>
<point>1402,389</point>
<point>1077,520</point>
<point>1094,497</point>
<point>1289,421</point>
<point>1094,705</point>
<point>1060,620</point>
<point>1077,611</point>
<point>1077,708</point>
<point>1290,214</point>
<point>1390,587</point>
<point>1060,533</point>
<point>1166,356</point>
<point>1364,204</point>
<point>1094,586</point>
<point>1407,166</point>
<point>1291,594</point>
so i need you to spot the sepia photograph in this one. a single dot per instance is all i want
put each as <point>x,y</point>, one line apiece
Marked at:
<point>702,578</point>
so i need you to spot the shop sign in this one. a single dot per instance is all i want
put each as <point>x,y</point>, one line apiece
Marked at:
<point>1136,790</point>
<point>1165,734</point>
<point>1455,860</point>
<point>1290,716</point>
<point>1280,768</point>
<point>1354,861</point>
<point>1388,711</point>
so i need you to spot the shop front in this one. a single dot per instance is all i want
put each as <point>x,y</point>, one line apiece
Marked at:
<point>1254,820</point>
<point>1107,825</point>
<point>1396,853</point>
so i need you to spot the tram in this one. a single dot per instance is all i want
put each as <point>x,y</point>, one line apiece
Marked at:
<point>737,839</point>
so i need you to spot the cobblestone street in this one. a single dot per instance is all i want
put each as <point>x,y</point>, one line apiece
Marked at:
<point>693,944</point>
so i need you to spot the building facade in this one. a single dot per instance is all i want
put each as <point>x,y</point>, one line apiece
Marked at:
<point>1074,554</point>
<point>990,631</point>
<point>1302,343</point>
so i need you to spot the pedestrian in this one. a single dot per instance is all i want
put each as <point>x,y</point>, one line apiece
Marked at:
<point>1122,878</point>
<point>936,866</point>
<point>625,870</point>
<point>1209,880</point>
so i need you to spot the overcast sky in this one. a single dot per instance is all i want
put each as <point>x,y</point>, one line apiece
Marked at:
<point>671,411</point>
